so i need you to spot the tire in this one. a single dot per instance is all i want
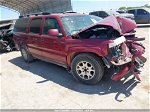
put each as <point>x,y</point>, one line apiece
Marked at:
<point>87,68</point>
<point>2,47</point>
<point>25,54</point>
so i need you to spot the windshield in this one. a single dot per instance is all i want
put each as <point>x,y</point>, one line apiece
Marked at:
<point>147,9</point>
<point>73,24</point>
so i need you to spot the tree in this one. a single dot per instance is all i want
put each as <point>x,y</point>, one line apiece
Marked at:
<point>126,8</point>
<point>122,8</point>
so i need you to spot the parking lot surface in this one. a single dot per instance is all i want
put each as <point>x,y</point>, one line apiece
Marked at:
<point>42,85</point>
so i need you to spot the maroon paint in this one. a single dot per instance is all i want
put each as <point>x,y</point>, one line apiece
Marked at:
<point>62,49</point>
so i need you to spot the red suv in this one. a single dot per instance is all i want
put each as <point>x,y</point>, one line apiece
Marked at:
<point>84,44</point>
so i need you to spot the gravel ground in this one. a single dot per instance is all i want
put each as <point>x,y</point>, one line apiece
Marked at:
<point>42,85</point>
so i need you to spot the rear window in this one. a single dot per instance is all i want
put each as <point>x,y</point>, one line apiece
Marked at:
<point>131,11</point>
<point>21,24</point>
<point>102,14</point>
<point>94,13</point>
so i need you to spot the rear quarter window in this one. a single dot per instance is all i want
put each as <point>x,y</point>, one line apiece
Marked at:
<point>21,25</point>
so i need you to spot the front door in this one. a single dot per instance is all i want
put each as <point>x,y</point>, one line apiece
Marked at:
<point>53,47</point>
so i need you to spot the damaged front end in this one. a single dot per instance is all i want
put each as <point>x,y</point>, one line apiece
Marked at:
<point>127,56</point>
<point>123,52</point>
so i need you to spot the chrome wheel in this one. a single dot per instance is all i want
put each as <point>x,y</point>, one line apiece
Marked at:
<point>85,70</point>
<point>24,54</point>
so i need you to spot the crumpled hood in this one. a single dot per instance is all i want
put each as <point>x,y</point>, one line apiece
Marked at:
<point>126,24</point>
<point>121,24</point>
<point>111,21</point>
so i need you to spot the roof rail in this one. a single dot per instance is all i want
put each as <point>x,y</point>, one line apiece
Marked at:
<point>36,14</point>
<point>45,13</point>
<point>70,12</point>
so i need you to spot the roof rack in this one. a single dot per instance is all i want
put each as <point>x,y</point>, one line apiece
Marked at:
<point>36,14</point>
<point>70,12</point>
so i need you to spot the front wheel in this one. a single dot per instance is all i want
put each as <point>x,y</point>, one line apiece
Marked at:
<point>87,68</point>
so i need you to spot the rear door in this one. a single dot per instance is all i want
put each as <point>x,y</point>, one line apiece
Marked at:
<point>34,36</point>
<point>53,47</point>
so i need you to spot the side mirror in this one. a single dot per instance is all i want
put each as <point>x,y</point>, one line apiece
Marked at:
<point>53,32</point>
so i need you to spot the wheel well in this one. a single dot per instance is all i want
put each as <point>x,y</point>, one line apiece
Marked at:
<point>20,44</point>
<point>90,53</point>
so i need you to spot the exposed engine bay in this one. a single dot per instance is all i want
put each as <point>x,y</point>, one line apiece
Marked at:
<point>119,53</point>
<point>99,31</point>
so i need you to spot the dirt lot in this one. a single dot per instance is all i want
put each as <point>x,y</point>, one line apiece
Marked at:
<point>42,85</point>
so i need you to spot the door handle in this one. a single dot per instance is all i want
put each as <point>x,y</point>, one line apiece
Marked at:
<point>35,39</point>
<point>59,41</point>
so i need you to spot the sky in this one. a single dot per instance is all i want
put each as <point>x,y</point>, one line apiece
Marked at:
<point>83,6</point>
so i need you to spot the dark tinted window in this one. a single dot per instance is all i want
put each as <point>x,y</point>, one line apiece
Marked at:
<point>94,13</point>
<point>5,27</point>
<point>141,11</point>
<point>21,24</point>
<point>131,11</point>
<point>50,23</point>
<point>102,14</point>
<point>35,25</point>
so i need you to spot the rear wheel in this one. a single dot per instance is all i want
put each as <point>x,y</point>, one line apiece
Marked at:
<point>87,68</point>
<point>25,54</point>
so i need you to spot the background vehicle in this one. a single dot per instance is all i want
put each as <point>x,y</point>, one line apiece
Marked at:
<point>95,18</point>
<point>104,14</point>
<point>142,15</point>
<point>125,14</point>
<point>77,43</point>
<point>6,37</point>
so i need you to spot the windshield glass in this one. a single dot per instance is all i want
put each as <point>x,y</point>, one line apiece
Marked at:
<point>73,24</point>
<point>147,9</point>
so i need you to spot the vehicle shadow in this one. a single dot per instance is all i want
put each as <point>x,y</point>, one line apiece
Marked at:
<point>59,75</point>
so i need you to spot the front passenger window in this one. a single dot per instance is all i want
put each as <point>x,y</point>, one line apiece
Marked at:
<point>50,23</point>
<point>141,11</point>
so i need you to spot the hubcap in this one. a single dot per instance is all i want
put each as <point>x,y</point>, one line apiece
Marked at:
<point>24,54</point>
<point>85,70</point>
